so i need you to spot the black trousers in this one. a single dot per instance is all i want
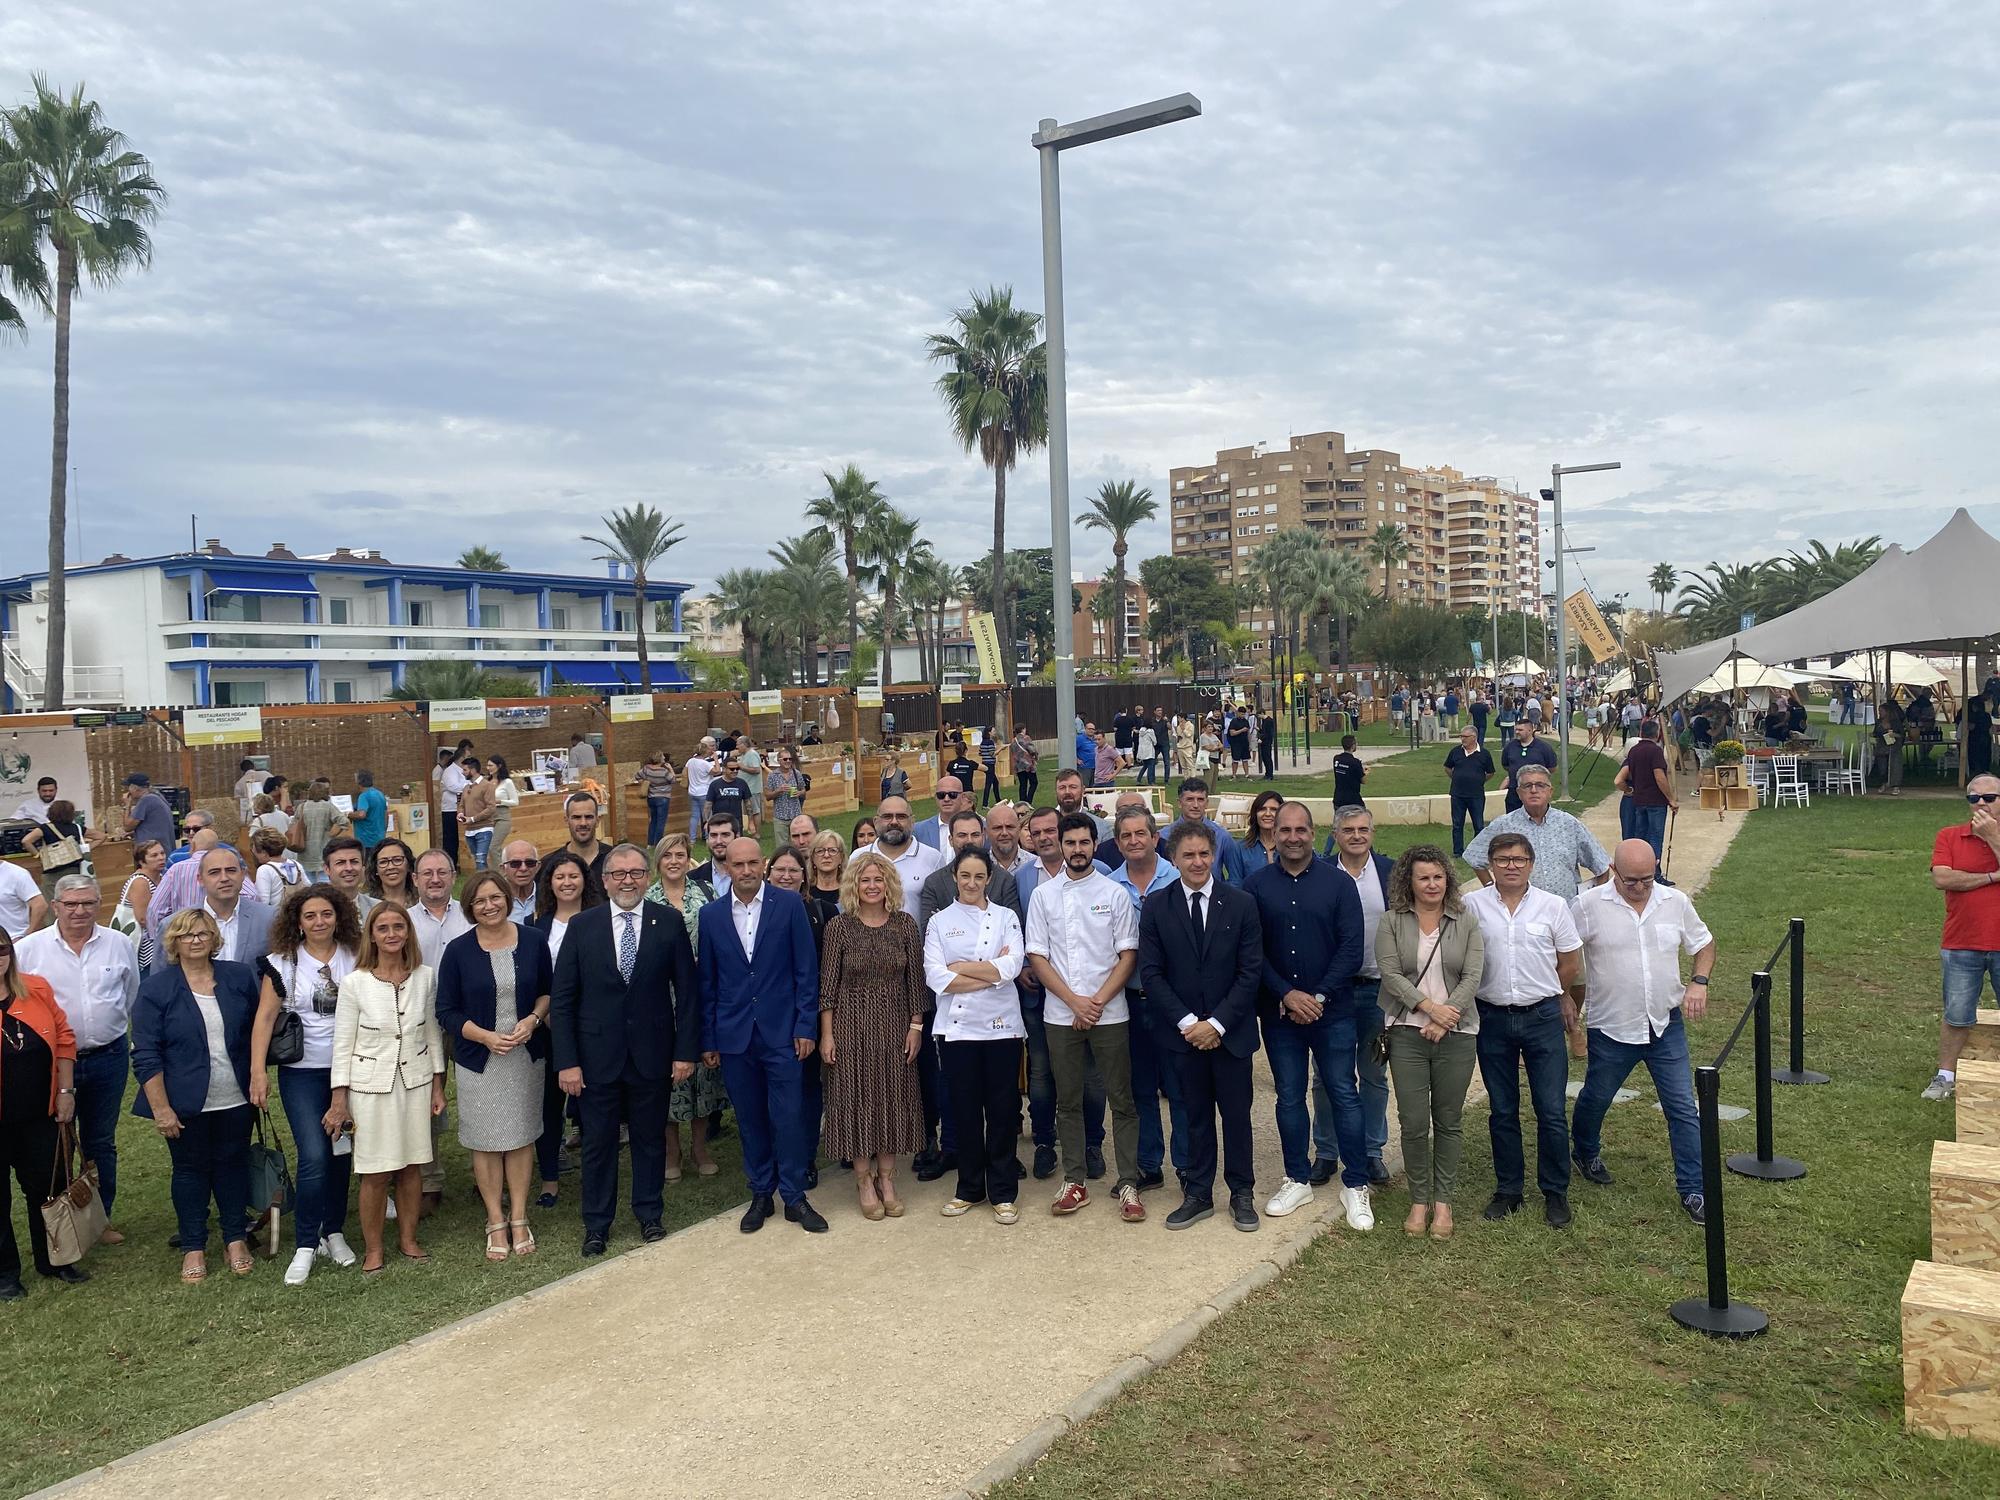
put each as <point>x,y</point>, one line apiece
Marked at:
<point>1026,784</point>
<point>28,1150</point>
<point>449,840</point>
<point>640,1103</point>
<point>1466,805</point>
<point>1267,755</point>
<point>1215,1082</point>
<point>984,1083</point>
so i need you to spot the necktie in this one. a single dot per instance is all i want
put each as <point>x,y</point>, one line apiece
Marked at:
<point>628,945</point>
<point>1200,927</point>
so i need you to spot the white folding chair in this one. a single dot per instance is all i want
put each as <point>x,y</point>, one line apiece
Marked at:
<point>1760,776</point>
<point>1786,784</point>
<point>1846,777</point>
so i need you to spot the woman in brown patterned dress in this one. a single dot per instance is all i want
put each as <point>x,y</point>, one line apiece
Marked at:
<point>871,1025</point>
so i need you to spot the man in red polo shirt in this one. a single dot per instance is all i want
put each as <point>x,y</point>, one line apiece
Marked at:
<point>1965,865</point>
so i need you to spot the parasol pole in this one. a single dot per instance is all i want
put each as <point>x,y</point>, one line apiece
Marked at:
<point>1964,711</point>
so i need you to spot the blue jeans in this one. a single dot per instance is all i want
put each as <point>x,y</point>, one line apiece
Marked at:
<point>100,1100</point>
<point>1042,1084</point>
<point>321,1184</point>
<point>1650,824</point>
<point>1666,1059</point>
<point>1371,1077</point>
<point>1511,1037</point>
<point>1965,973</point>
<point>657,809</point>
<point>1152,1076</point>
<point>1328,1043</point>
<point>696,806</point>
<point>1625,811</point>
<point>477,840</point>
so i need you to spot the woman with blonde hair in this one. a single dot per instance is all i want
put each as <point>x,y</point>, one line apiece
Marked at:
<point>826,863</point>
<point>387,1077</point>
<point>316,821</point>
<point>135,899</point>
<point>871,1027</point>
<point>276,872</point>
<point>1431,954</point>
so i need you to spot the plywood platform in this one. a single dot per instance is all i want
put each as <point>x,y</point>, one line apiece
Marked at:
<point>1982,1043</point>
<point>1965,1205</point>
<point>1978,1103</point>
<point>1951,1352</point>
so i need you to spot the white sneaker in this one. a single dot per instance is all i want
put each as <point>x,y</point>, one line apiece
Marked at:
<point>1940,1087</point>
<point>300,1268</point>
<point>336,1249</point>
<point>1289,1198</point>
<point>1359,1214</point>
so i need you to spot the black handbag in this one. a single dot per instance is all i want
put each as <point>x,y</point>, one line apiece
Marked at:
<point>288,1035</point>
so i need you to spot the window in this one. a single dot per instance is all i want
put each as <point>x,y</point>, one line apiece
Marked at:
<point>1287,468</point>
<point>621,619</point>
<point>339,612</point>
<point>417,611</point>
<point>1270,510</point>
<point>492,615</point>
<point>1270,489</point>
<point>1381,485</point>
<point>236,607</point>
<point>1222,478</point>
<point>1180,484</point>
<point>1270,526</point>
<point>343,692</point>
<point>230,694</point>
<point>559,617</point>
<point>1242,551</point>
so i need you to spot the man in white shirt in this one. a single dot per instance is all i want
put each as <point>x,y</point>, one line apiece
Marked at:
<point>451,781</point>
<point>1041,844</point>
<point>1633,930</point>
<point>244,921</point>
<point>914,862</point>
<point>1083,942</point>
<point>750,764</point>
<point>249,782</point>
<point>582,754</point>
<point>520,862</point>
<point>1533,957</point>
<point>22,907</point>
<point>437,920</point>
<point>700,771</point>
<point>35,808</point>
<point>94,972</point>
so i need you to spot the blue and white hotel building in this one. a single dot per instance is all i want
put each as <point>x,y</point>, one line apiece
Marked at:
<point>213,628</point>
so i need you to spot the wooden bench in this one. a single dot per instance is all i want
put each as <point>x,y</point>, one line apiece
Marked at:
<point>1982,1043</point>
<point>1965,1205</point>
<point>1951,1352</point>
<point>1978,1103</point>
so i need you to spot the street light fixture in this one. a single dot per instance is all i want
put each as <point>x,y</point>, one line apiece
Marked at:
<point>1050,141</point>
<point>1556,472</point>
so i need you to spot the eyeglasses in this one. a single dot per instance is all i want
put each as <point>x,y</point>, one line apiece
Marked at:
<point>520,864</point>
<point>1510,860</point>
<point>624,875</point>
<point>1982,796</point>
<point>1635,880</point>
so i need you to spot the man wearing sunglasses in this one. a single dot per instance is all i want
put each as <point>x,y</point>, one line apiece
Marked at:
<point>519,862</point>
<point>1965,865</point>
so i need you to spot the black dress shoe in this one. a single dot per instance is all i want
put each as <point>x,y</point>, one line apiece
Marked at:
<point>1378,1171</point>
<point>1323,1172</point>
<point>1147,1181</point>
<point>1243,1213</point>
<point>924,1159</point>
<point>812,1178</point>
<point>1045,1162</point>
<point>1595,1171</point>
<point>761,1208</point>
<point>1093,1162</point>
<point>803,1214</point>
<point>593,1245</point>
<point>75,1275</point>
<point>1502,1205</point>
<point>11,1290</point>
<point>1555,1210</point>
<point>941,1162</point>
<point>1191,1211</point>
<point>652,1231</point>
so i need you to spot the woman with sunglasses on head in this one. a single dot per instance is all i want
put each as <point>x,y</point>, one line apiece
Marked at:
<point>312,948</point>
<point>37,1098</point>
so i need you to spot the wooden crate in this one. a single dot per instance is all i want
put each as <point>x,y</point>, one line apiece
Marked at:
<point>1739,798</point>
<point>1965,1205</point>
<point>1982,1043</point>
<point>1951,1352</point>
<point>1978,1103</point>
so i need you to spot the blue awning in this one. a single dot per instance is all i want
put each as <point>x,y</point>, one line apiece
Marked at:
<point>616,676</point>
<point>247,581</point>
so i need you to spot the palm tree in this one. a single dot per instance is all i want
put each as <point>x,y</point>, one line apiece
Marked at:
<point>851,498</point>
<point>639,537</point>
<point>995,391</point>
<point>482,560</point>
<point>1387,547</point>
<point>1714,605</point>
<point>433,678</point>
<point>1660,583</point>
<point>1339,590</point>
<point>69,187</point>
<point>1119,507</point>
<point>886,545</point>
<point>806,595</point>
<point>743,600</point>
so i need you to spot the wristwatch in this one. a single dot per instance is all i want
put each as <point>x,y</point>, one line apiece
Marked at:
<point>65,1091</point>
<point>1320,1001</point>
<point>1700,979</point>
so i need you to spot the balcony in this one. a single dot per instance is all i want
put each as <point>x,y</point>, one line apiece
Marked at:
<point>83,686</point>
<point>376,642</point>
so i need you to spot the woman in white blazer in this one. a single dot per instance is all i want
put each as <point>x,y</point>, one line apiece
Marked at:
<point>387,1076</point>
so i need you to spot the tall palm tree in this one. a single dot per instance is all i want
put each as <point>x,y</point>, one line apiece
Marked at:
<point>639,536</point>
<point>482,560</point>
<point>1338,592</point>
<point>743,600</point>
<point>996,396</point>
<point>1660,583</point>
<point>851,498</point>
<point>1715,599</point>
<point>806,589</point>
<point>1387,547</point>
<point>69,188</point>
<point>1119,507</point>
<point>886,544</point>
<point>930,584</point>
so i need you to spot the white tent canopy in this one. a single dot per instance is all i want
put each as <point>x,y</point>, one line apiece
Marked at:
<point>1520,666</point>
<point>1900,667</point>
<point>1619,681</point>
<point>1742,672</point>
<point>1941,594</point>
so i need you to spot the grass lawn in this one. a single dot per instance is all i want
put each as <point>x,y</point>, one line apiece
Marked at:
<point>1512,1362</point>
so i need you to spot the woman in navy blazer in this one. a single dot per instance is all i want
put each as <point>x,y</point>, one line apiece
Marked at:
<point>191,1056</point>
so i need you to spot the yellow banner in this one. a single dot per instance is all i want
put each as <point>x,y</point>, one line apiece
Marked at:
<point>986,642</point>
<point>630,708</point>
<point>223,726</point>
<point>868,697</point>
<point>448,714</point>
<point>951,692</point>
<point>1590,626</point>
<point>767,701</point>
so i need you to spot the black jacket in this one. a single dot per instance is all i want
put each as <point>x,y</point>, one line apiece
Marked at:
<point>1217,979</point>
<point>599,1022</point>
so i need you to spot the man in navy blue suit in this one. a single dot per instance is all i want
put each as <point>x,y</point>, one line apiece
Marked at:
<point>760,1015</point>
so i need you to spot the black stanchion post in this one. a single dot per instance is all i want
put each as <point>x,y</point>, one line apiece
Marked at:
<point>1798,1072</point>
<point>1715,1315</point>
<point>1765,1164</point>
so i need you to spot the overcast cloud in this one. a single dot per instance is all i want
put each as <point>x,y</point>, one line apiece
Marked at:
<point>477,273</point>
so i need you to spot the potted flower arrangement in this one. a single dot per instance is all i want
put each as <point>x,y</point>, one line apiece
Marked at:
<point>1729,752</point>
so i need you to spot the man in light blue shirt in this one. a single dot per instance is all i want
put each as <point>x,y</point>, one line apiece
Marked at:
<point>1193,803</point>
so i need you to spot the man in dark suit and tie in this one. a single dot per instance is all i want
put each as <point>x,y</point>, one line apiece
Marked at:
<point>1201,955</point>
<point>624,1027</point>
<point>760,1001</point>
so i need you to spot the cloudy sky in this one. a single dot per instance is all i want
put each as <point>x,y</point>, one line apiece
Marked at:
<point>454,273</point>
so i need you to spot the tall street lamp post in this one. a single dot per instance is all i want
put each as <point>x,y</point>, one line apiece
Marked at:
<point>1051,140</point>
<point>1556,472</point>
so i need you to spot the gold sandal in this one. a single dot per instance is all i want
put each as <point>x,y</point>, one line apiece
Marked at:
<point>502,1252</point>
<point>524,1241</point>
